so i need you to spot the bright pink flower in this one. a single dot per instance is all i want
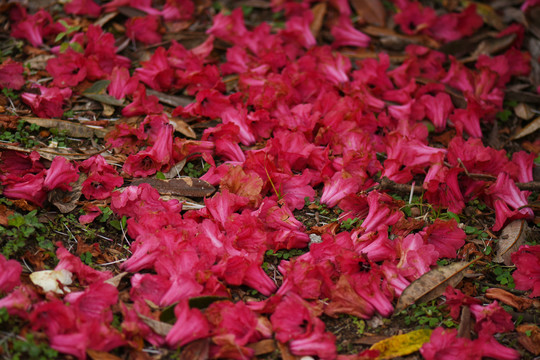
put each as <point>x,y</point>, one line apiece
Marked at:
<point>94,302</point>
<point>60,175</point>
<point>230,28</point>
<point>446,236</point>
<point>157,73</point>
<point>467,120</point>
<point>143,29</point>
<point>121,83</point>
<point>72,263</point>
<point>369,286</point>
<point>53,316</point>
<point>438,108</point>
<point>49,102</point>
<point>338,187</point>
<point>393,277</point>
<point>239,270</point>
<point>383,212</point>
<point>454,26</point>
<point>334,67</point>
<point>303,278</point>
<point>345,34</point>
<point>414,18</point>
<point>295,321</point>
<point>524,164</point>
<point>174,10</point>
<point>11,75</point>
<point>138,201</point>
<point>68,69</point>
<point>91,213</point>
<point>100,54</point>
<point>223,204</point>
<point>82,7</point>
<point>190,325</point>
<point>34,27</point>
<point>527,275</point>
<point>102,178</point>
<point>491,319</point>
<point>505,195</point>
<point>10,274</point>
<point>19,301</point>
<point>417,257</point>
<point>297,29</point>
<point>29,187</point>
<point>142,104</point>
<point>375,245</point>
<point>126,139</point>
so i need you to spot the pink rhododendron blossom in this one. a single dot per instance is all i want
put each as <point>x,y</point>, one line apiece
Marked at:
<point>47,104</point>
<point>10,273</point>
<point>68,69</point>
<point>190,325</point>
<point>345,34</point>
<point>19,301</point>
<point>73,264</point>
<point>414,17</point>
<point>157,72</point>
<point>157,157</point>
<point>126,139</point>
<point>11,75</point>
<point>83,7</point>
<point>29,187</point>
<point>138,201</point>
<point>446,236</point>
<point>455,300</point>
<point>142,104</point>
<point>467,120</point>
<point>527,275</point>
<point>91,213</point>
<point>178,10</point>
<point>339,186</point>
<point>121,83</point>
<point>444,344</point>
<point>416,256</point>
<point>143,29</point>
<point>60,175</point>
<point>19,164</point>
<point>34,27</point>
<point>454,26</point>
<point>438,108</point>
<point>102,178</point>
<point>491,319</point>
<point>505,195</point>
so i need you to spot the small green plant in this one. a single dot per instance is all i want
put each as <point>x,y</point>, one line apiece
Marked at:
<point>22,135</point>
<point>31,350</point>
<point>360,325</point>
<point>9,93</point>
<point>430,315</point>
<point>350,223</point>
<point>20,228</point>
<point>86,258</point>
<point>285,254</point>
<point>194,171</point>
<point>59,138</point>
<point>503,275</point>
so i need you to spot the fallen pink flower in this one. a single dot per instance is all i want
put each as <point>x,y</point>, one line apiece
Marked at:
<point>190,325</point>
<point>29,187</point>
<point>121,83</point>
<point>83,7</point>
<point>72,263</point>
<point>49,102</point>
<point>60,175</point>
<point>142,104</point>
<point>491,319</point>
<point>10,274</point>
<point>11,75</point>
<point>527,275</point>
<point>455,300</point>
<point>143,29</point>
<point>345,34</point>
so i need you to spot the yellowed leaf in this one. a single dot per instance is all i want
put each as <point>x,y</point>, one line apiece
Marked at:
<point>401,345</point>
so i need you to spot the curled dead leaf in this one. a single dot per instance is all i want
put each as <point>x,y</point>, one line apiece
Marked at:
<point>432,284</point>
<point>158,327</point>
<point>517,302</point>
<point>371,11</point>
<point>319,11</point>
<point>529,337</point>
<point>70,128</point>
<point>182,127</point>
<point>512,237</point>
<point>529,129</point>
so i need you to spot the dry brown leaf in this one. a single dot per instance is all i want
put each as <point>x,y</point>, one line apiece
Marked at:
<point>158,327</point>
<point>529,129</point>
<point>432,284</point>
<point>196,350</point>
<point>182,127</point>
<point>529,337</point>
<point>371,11</point>
<point>184,186</point>
<point>319,11</point>
<point>512,237</point>
<point>4,214</point>
<point>488,14</point>
<point>523,111</point>
<point>263,347</point>
<point>66,201</point>
<point>465,323</point>
<point>101,355</point>
<point>71,128</point>
<point>285,353</point>
<point>518,302</point>
<point>172,100</point>
<point>491,46</point>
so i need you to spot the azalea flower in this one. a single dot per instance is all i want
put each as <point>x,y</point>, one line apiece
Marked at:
<point>142,104</point>
<point>527,275</point>
<point>83,7</point>
<point>491,319</point>
<point>157,72</point>
<point>190,325</point>
<point>60,175</point>
<point>10,273</point>
<point>73,264</point>
<point>68,69</point>
<point>29,187</point>
<point>34,27</point>
<point>49,103</point>
<point>11,75</point>
<point>345,34</point>
<point>19,301</point>
<point>121,83</point>
<point>143,29</point>
<point>455,300</point>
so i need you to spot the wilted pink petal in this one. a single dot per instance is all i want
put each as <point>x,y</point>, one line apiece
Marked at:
<point>438,108</point>
<point>121,83</point>
<point>19,301</point>
<point>190,325</point>
<point>29,187</point>
<point>82,7</point>
<point>143,29</point>
<point>11,75</point>
<point>142,104</point>
<point>527,275</point>
<point>491,319</point>
<point>60,175</point>
<point>49,102</point>
<point>345,34</point>
<point>10,274</point>
<point>339,186</point>
<point>72,263</point>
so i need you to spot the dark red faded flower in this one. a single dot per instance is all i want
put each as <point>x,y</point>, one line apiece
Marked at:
<point>190,325</point>
<point>414,18</point>
<point>157,72</point>
<point>82,7</point>
<point>126,139</point>
<point>144,29</point>
<point>17,163</point>
<point>10,274</point>
<point>454,26</point>
<point>60,175</point>
<point>91,212</point>
<point>157,157</point>
<point>102,178</point>
<point>47,104</point>
<point>11,75</point>
<point>455,300</point>
<point>527,275</point>
<point>491,319</point>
